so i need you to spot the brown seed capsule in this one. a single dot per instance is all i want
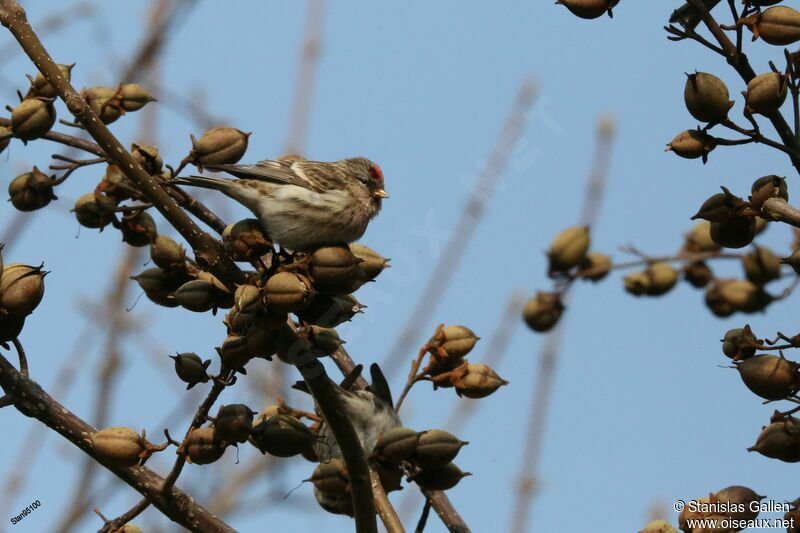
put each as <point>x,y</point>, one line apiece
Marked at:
<point>769,376</point>
<point>729,296</point>
<point>31,191</point>
<point>662,277</point>
<point>118,446</point>
<point>436,447</point>
<point>335,270</point>
<point>568,249</point>
<point>699,239</point>
<point>341,504</point>
<point>233,423</point>
<point>373,263</point>
<point>736,233</point>
<point>105,103</point>
<point>287,292</point>
<point>326,340</point>
<point>32,118</point>
<point>720,207</point>
<point>10,327</point>
<point>439,477</point>
<point>637,283</point>
<point>234,352</point>
<point>246,240</point>
<point>742,501</point>
<point>133,97</point>
<point>262,342</point>
<point>191,369</point>
<point>589,9</point>
<point>21,288</point>
<point>247,298</point>
<point>391,476</point>
<point>129,528</point>
<point>5,137</point>
<point>94,210</point>
<point>217,146</point>
<point>543,311</point>
<point>778,25</point>
<point>202,447</point>
<point>41,87</point>
<point>282,436</point>
<point>761,266</point>
<point>766,93</point>
<point>779,440</point>
<point>138,228</point>
<point>331,478</point>
<point>168,254</point>
<point>331,311</point>
<point>455,341</point>
<point>768,187</point>
<point>737,343</point>
<point>706,97</point>
<point>478,381</point>
<point>698,274</point>
<point>658,526</point>
<point>595,267</point>
<point>396,444</point>
<point>148,157</point>
<point>692,144</point>
<point>197,295</point>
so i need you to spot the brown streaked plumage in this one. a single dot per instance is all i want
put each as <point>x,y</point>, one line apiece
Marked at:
<point>304,204</point>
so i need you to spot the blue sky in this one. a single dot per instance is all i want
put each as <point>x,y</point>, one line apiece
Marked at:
<point>642,412</point>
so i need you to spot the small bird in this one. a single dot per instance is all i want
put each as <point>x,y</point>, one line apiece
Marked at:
<point>304,204</point>
<point>688,16</point>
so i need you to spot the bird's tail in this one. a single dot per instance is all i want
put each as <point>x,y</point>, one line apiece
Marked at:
<point>200,181</point>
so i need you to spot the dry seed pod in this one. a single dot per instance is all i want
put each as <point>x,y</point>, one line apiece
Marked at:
<point>744,295</point>
<point>778,25</point>
<point>233,423</point>
<point>341,504</point>
<point>104,102</point>
<point>234,352</point>
<point>456,341</point>
<point>719,207</point>
<point>391,476</point>
<point>167,254</point>
<point>736,233</point>
<point>190,368</point>
<point>568,249</point>
<point>662,277</point>
<point>637,283</point>
<point>737,343</point>
<point>766,93</point>
<point>10,327</point>
<point>202,447</point>
<point>331,478</point>
<point>262,342</point>
<point>197,295</point>
<point>41,87</point>
<point>439,477</point>
<point>698,274</point>
<point>769,376</point>
<point>94,210</point>
<point>658,526</point>
<point>761,266</point>
<point>247,298</point>
<point>287,292</point>
<point>699,239</point>
<point>331,311</point>
<point>335,270</point>
<point>31,191</point>
<point>396,444</point>
<point>743,499</point>
<point>436,447</point>
<point>281,436</point>
<point>129,528</point>
<point>478,381</point>
<point>706,97</point>
<point>373,263</point>
<point>779,440</point>
<point>21,288</point>
<point>133,97</point>
<point>692,144</point>
<point>218,146</point>
<point>543,311</point>
<point>118,446</point>
<point>148,157</point>
<point>32,118</point>
<point>768,187</point>
<point>246,240</point>
<point>589,9</point>
<point>5,137</point>
<point>138,229</point>
<point>595,267</point>
<point>326,340</point>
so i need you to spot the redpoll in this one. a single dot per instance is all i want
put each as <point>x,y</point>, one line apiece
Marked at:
<point>304,204</point>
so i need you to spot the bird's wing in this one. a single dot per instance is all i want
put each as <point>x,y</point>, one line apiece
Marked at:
<point>280,172</point>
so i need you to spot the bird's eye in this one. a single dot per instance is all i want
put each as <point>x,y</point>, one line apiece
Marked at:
<point>363,180</point>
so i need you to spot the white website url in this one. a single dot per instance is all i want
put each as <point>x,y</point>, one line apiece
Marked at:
<point>733,524</point>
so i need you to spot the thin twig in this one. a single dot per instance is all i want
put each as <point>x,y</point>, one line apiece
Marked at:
<point>111,526</point>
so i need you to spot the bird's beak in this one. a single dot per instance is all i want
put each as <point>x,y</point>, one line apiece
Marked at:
<point>380,193</point>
